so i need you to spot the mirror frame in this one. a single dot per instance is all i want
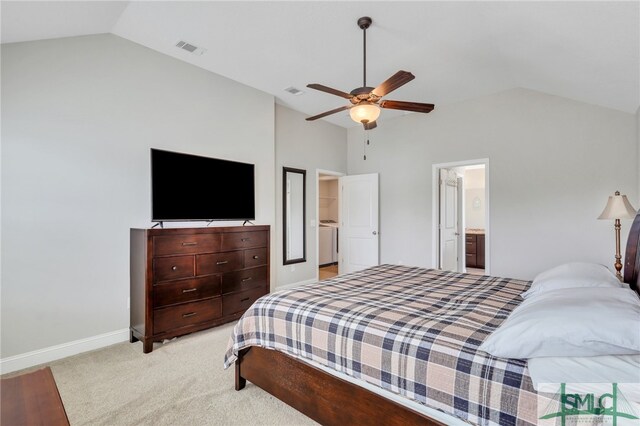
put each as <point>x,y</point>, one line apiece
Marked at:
<point>302,259</point>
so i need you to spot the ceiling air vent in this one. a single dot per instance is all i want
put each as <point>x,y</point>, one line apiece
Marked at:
<point>190,48</point>
<point>294,91</point>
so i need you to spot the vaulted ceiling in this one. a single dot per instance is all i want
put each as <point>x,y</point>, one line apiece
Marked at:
<point>587,51</point>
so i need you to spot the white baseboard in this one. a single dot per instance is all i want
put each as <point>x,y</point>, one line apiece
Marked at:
<point>288,286</point>
<point>52,353</point>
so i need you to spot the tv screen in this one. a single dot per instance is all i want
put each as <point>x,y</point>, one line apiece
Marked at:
<point>189,187</point>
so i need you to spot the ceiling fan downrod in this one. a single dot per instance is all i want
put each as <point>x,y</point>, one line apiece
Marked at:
<point>364,23</point>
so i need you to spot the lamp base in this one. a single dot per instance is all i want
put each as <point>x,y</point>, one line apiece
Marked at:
<point>618,263</point>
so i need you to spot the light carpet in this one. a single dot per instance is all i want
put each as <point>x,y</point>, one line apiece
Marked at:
<point>181,382</point>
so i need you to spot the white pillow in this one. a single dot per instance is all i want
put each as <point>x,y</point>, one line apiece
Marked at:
<point>584,369</point>
<point>570,322</point>
<point>573,275</point>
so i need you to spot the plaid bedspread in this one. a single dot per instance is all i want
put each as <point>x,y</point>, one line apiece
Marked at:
<point>409,330</point>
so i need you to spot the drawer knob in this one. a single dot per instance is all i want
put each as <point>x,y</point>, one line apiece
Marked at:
<point>189,290</point>
<point>190,314</point>
<point>174,268</point>
<point>245,239</point>
<point>255,257</point>
<point>246,279</point>
<point>222,262</point>
<point>244,300</point>
<point>190,243</point>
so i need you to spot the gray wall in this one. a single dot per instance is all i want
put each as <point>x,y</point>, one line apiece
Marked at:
<point>553,162</point>
<point>79,116</point>
<point>309,146</point>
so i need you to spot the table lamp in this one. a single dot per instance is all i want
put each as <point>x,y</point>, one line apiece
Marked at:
<point>618,207</point>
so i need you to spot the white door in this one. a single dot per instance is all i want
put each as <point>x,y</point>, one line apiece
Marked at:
<point>448,220</point>
<point>359,237</point>
<point>460,225</point>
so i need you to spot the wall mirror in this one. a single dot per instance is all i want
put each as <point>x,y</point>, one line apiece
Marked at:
<point>294,215</point>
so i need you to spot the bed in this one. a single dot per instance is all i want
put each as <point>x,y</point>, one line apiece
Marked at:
<point>416,319</point>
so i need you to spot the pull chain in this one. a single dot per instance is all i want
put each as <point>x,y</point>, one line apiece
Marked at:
<point>365,143</point>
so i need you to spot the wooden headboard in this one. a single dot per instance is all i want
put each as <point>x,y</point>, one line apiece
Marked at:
<point>632,256</point>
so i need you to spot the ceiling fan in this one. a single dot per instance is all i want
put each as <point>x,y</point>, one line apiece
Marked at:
<point>366,101</point>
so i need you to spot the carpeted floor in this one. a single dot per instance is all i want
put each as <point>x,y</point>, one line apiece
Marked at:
<point>180,383</point>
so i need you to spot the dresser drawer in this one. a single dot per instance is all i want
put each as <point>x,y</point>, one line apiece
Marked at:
<point>255,257</point>
<point>166,319</point>
<point>240,240</point>
<point>186,244</point>
<point>239,302</point>
<point>172,268</point>
<point>470,238</point>
<point>219,262</point>
<point>182,291</point>
<point>244,280</point>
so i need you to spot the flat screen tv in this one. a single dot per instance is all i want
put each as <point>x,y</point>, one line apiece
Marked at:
<point>188,187</point>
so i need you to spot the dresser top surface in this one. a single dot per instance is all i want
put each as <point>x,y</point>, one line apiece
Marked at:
<point>203,230</point>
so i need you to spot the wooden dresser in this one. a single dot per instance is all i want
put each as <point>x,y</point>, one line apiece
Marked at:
<point>188,279</point>
<point>474,250</point>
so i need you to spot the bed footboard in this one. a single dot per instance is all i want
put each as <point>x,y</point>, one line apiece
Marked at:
<point>326,399</point>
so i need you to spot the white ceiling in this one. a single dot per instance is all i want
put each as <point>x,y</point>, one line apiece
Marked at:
<point>38,20</point>
<point>588,51</point>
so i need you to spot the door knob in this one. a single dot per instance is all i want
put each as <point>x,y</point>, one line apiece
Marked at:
<point>374,233</point>
<point>457,234</point>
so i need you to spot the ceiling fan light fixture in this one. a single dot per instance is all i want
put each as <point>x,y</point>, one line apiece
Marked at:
<point>364,112</point>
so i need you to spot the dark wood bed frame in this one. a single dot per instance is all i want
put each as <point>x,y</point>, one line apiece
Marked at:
<point>330,400</point>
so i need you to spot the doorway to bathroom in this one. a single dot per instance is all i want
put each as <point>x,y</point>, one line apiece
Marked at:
<point>461,216</point>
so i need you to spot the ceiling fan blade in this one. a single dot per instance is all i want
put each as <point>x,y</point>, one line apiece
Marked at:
<point>333,111</point>
<point>326,89</point>
<point>407,106</point>
<point>392,83</point>
<point>370,126</point>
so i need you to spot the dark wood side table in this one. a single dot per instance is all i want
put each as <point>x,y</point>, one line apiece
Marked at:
<point>32,399</point>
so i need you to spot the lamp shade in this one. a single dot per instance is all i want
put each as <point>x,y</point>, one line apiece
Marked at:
<point>618,207</point>
<point>364,113</point>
